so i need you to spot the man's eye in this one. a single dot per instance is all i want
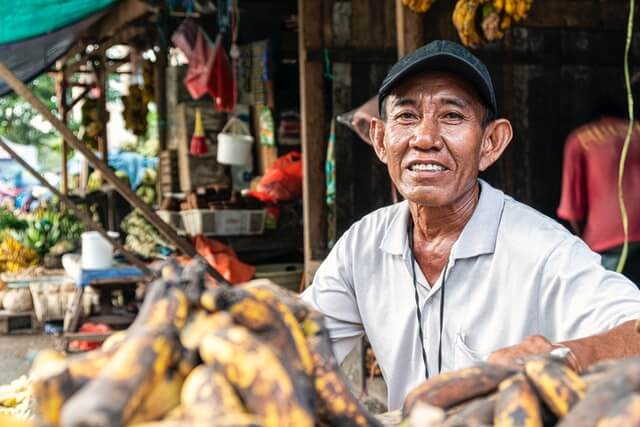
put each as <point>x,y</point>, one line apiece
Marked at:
<point>452,115</point>
<point>405,116</point>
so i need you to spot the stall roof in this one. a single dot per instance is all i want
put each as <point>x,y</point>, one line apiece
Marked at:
<point>25,19</point>
<point>38,32</point>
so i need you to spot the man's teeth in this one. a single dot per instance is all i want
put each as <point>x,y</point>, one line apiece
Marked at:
<point>427,167</point>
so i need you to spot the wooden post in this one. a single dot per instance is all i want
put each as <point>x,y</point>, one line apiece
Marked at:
<point>161,84</point>
<point>409,29</point>
<point>63,108</point>
<point>84,217</point>
<point>19,87</point>
<point>314,144</point>
<point>101,80</point>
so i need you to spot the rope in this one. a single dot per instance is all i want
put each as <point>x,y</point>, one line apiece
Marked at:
<point>627,141</point>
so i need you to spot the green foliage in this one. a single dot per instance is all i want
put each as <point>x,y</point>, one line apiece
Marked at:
<point>21,123</point>
<point>8,221</point>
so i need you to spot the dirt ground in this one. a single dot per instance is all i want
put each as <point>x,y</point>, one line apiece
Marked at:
<point>15,351</point>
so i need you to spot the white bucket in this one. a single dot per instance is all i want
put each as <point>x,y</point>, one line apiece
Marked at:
<point>234,149</point>
<point>97,252</point>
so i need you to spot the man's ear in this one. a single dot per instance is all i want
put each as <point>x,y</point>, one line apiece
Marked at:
<point>376,135</point>
<point>496,138</point>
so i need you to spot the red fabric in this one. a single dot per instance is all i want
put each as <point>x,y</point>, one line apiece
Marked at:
<point>590,182</point>
<point>224,259</point>
<point>200,66</point>
<point>282,181</point>
<point>221,86</point>
<point>88,327</point>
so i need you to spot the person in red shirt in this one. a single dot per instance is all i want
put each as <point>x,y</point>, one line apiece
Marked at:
<point>589,199</point>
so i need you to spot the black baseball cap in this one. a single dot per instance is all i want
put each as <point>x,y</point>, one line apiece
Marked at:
<point>442,55</point>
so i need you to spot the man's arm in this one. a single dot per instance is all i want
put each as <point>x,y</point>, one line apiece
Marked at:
<point>621,341</point>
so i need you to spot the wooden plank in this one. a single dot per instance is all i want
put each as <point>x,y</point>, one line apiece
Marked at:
<point>314,142</point>
<point>367,24</point>
<point>409,29</point>
<point>166,230</point>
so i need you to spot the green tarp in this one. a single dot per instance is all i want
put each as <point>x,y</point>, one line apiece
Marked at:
<point>24,19</point>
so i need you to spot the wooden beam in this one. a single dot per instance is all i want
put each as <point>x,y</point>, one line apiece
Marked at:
<point>63,108</point>
<point>409,29</point>
<point>314,142</point>
<point>19,88</point>
<point>103,118</point>
<point>120,16</point>
<point>81,214</point>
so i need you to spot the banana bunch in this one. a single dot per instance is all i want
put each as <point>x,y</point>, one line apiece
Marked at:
<point>496,16</point>
<point>251,355</point>
<point>135,110</point>
<point>14,256</point>
<point>418,6</point>
<point>542,392</point>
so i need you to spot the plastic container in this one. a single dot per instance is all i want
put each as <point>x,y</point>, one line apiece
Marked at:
<point>174,219</point>
<point>234,143</point>
<point>234,149</point>
<point>97,252</point>
<point>286,275</point>
<point>226,222</point>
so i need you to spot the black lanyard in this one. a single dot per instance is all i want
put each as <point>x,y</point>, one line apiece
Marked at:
<point>419,313</point>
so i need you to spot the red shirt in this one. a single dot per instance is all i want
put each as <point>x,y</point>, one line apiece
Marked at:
<point>590,182</point>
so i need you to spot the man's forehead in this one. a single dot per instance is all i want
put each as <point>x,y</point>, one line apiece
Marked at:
<point>434,83</point>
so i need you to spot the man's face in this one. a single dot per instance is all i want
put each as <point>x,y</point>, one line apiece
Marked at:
<point>432,138</point>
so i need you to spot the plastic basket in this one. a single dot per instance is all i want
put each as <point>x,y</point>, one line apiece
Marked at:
<point>226,222</point>
<point>174,219</point>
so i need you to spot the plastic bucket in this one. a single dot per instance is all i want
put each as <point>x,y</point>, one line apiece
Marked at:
<point>97,252</point>
<point>234,149</point>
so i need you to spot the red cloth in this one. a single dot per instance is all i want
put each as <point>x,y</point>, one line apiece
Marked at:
<point>590,182</point>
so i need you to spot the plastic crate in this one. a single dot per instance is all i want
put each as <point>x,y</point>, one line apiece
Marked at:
<point>225,222</point>
<point>174,219</point>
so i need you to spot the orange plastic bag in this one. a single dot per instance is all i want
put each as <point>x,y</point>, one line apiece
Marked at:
<point>223,259</point>
<point>282,181</point>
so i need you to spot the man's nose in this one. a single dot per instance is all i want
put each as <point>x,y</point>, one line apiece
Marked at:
<point>427,135</point>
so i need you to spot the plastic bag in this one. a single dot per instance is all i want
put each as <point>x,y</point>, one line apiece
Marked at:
<point>282,181</point>
<point>221,85</point>
<point>184,38</point>
<point>200,66</point>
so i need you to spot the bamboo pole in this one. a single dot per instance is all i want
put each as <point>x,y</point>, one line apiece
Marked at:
<point>165,229</point>
<point>84,217</point>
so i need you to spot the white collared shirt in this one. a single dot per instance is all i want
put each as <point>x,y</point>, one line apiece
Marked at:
<point>513,272</point>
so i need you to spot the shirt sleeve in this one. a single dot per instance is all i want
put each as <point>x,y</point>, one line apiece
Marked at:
<point>573,199</point>
<point>332,294</point>
<point>579,298</point>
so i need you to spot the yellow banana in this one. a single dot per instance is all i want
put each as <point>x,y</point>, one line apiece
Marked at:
<point>559,386</point>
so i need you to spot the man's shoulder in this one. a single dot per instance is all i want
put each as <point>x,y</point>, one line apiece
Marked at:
<point>374,225</point>
<point>530,229</point>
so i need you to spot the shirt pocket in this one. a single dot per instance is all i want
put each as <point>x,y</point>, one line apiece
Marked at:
<point>465,356</point>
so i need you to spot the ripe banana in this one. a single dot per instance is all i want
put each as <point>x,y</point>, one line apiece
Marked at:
<point>479,412</point>
<point>559,386</point>
<point>136,368</point>
<point>620,382</point>
<point>624,413</point>
<point>464,15</point>
<point>419,6</point>
<point>449,389</point>
<point>335,405</point>
<point>258,376</point>
<point>517,404</point>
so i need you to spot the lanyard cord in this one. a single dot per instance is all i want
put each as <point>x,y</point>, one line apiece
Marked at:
<point>419,313</point>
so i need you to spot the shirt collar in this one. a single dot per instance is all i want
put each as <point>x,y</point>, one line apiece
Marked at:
<point>478,236</point>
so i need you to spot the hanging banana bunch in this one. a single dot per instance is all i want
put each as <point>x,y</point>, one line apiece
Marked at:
<point>496,17</point>
<point>418,6</point>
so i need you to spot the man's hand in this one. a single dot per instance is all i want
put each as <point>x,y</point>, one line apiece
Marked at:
<point>534,344</point>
